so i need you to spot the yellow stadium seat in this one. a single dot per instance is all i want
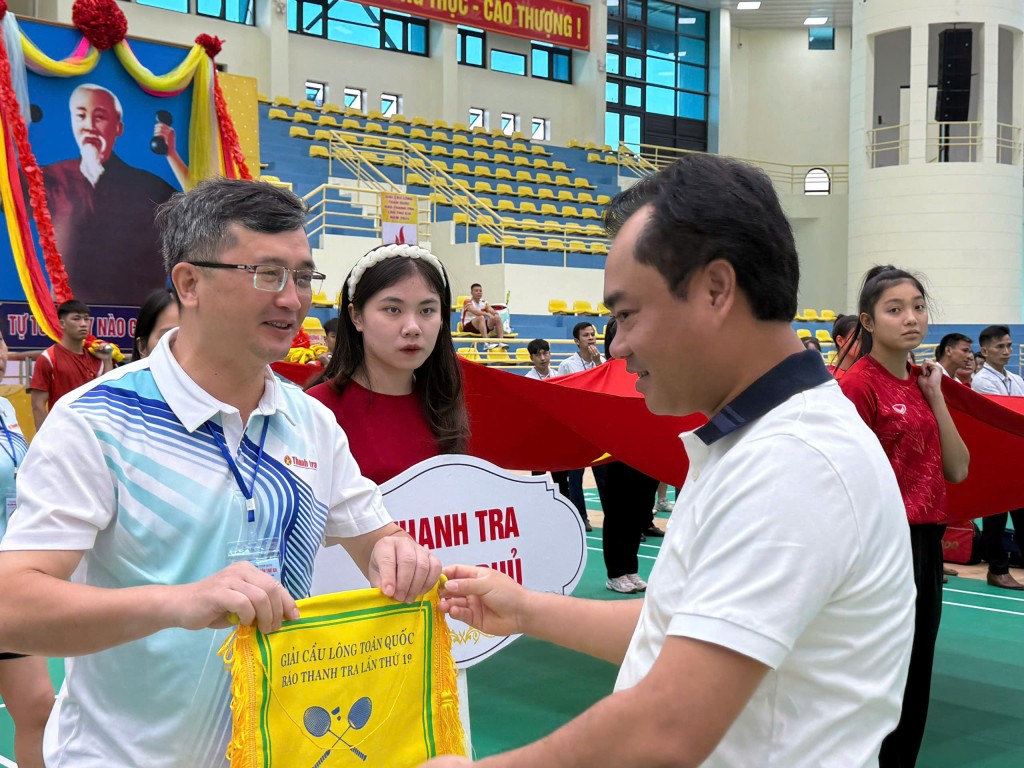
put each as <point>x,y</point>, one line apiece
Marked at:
<point>440,136</point>
<point>545,194</point>
<point>823,336</point>
<point>537,149</point>
<point>480,156</point>
<point>569,211</point>
<point>828,316</point>
<point>499,357</point>
<point>332,109</point>
<point>422,121</point>
<point>400,119</point>
<point>527,207</point>
<point>461,218</point>
<point>484,220</point>
<point>510,241</point>
<point>533,243</point>
<point>563,181</point>
<point>480,141</point>
<point>548,209</point>
<point>462,184</point>
<point>484,188</point>
<point>544,178</point>
<point>598,248</point>
<point>582,308</point>
<point>803,333</point>
<point>577,246</point>
<point>503,173</point>
<point>418,134</point>
<point>594,230</point>
<point>353,112</point>
<point>328,121</point>
<point>321,134</point>
<point>505,190</point>
<point>262,98</point>
<point>299,132</point>
<point>393,161</point>
<point>269,179</point>
<point>307,104</point>
<point>278,114</point>
<point>501,158</point>
<point>524,191</point>
<point>322,300</point>
<point>558,307</point>
<point>579,181</point>
<point>375,114</point>
<point>486,239</point>
<point>602,309</point>
<point>522,355</point>
<point>574,228</point>
<point>590,213</point>
<point>460,154</point>
<point>439,151</point>
<point>415,178</point>
<point>348,124</point>
<point>507,205</point>
<point>810,315</point>
<point>483,170</point>
<point>283,101</point>
<point>374,142</point>
<point>396,130</point>
<point>556,245</point>
<point>469,353</point>
<point>460,127</point>
<point>303,117</point>
<point>522,161</point>
<point>541,163</point>
<point>440,125</point>
<point>438,198</point>
<point>458,138</point>
<point>603,199</point>
<point>441,165</point>
<point>460,302</point>
<point>525,176</point>
<point>593,157</point>
<point>574,144</point>
<point>373,128</point>
<point>558,165</point>
<point>567,196</point>
<point>421,148</point>
<point>461,169</point>
<point>316,150</point>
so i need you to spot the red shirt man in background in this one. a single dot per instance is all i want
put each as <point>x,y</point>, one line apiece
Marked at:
<point>66,365</point>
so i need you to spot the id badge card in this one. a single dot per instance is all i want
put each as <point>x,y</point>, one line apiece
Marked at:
<point>265,554</point>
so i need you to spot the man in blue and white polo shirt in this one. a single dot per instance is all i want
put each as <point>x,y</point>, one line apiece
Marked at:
<point>183,488</point>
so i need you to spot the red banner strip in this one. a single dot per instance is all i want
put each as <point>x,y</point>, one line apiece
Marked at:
<point>550,21</point>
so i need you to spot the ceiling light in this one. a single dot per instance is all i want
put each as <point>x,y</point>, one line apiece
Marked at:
<point>748,5</point>
<point>815,21</point>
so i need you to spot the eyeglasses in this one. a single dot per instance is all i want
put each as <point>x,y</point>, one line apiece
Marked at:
<point>272,278</point>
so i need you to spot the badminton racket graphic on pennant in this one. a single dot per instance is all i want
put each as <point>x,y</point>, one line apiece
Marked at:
<point>318,722</point>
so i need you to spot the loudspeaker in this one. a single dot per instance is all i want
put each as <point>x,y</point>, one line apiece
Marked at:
<point>954,94</point>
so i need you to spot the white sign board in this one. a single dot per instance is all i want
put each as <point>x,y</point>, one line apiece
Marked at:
<point>469,511</point>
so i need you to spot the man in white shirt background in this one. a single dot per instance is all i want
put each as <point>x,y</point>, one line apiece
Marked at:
<point>994,379</point>
<point>481,317</point>
<point>953,353</point>
<point>540,356</point>
<point>586,355</point>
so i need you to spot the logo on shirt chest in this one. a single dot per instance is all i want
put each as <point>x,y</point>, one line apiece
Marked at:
<point>295,461</point>
<point>899,408</point>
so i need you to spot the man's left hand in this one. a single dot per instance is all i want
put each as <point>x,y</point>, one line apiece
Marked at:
<point>402,569</point>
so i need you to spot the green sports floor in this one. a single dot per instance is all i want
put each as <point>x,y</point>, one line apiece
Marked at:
<point>977,712</point>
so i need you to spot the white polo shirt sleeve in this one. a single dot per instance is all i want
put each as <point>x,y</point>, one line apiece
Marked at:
<point>65,509</point>
<point>355,504</point>
<point>766,552</point>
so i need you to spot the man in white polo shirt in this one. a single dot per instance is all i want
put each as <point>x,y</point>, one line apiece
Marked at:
<point>995,379</point>
<point>184,488</point>
<point>778,619</point>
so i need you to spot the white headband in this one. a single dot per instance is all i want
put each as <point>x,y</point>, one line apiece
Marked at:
<point>384,252</point>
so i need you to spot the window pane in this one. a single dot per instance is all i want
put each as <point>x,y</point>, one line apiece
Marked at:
<point>611,93</point>
<point>694,23</point>
<point>692,78</point>
<point>661,43</point>
<point>661,71</point>
<point>692,51</point>
<point>821,38</point>
<point>293,15</point>
<point>635,9</point>
<point>614,33</point>
<point>611,129</point>
<point>817,182</point>
<point>473,50</point>
<point>311,18</point>
<point>356,34</point>
<point>512,63</point>
<point>661,101</point>
<point>181,6</point>
<point>661,15</point>
<point>417,38</point>
<point>633,96</point>
<point>539,63</point>
<point>631,132</point>
<point>613,7</point>
<point>692,106</point>
<point>394,34</point>
<point>634,67</point>
<point>360,14</point>
<point>611,63</point>
<point>634,38</point>
<point>563,70</point>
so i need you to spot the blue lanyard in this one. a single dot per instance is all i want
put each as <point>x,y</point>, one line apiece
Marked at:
<point>10,441</point>
<point>250,502</point>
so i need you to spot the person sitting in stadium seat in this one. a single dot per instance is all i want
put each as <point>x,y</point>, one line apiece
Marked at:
<point>478,316</point>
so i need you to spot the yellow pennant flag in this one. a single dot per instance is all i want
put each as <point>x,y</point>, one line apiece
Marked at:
<point>359,679</point>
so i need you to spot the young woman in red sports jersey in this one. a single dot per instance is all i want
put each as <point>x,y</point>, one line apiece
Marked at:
<point>904,406</point>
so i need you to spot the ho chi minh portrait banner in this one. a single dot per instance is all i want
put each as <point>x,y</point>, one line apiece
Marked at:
<point>558,22</point>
